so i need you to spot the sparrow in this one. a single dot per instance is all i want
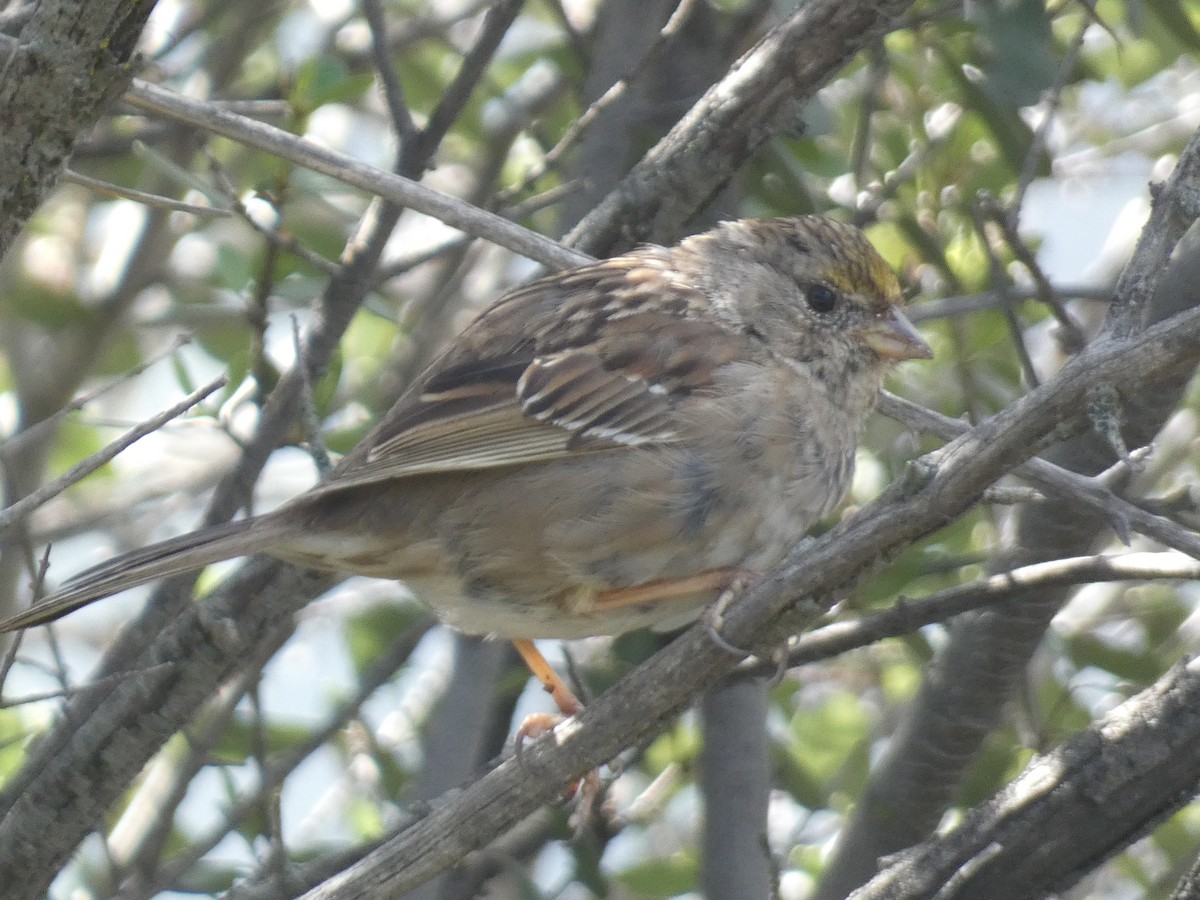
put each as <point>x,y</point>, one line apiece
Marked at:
<point>605,448</point>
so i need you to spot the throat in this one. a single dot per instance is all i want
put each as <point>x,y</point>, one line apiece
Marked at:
<point>850,385</point>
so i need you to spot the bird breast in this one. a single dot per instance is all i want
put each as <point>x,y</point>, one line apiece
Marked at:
<point>757,465</point>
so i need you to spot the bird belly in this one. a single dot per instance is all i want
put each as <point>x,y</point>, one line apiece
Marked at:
<point>538,554</point>
<point>534,553</point>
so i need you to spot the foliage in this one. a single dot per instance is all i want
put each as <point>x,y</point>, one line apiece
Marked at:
<point>954,126</point>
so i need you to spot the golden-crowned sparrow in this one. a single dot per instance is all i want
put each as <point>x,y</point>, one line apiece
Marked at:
<point>604,448</point>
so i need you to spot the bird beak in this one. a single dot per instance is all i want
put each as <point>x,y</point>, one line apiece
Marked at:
<point>894,338</point>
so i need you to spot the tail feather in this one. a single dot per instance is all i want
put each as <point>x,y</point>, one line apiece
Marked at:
<point>175,556</point>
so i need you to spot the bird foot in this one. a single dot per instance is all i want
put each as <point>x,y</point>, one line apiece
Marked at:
<point>586,792</point>
<point>713,617</point>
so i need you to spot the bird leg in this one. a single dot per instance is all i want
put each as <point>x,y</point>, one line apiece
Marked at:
<point>562,695</point>
<point>728,582</point>
<point>713,617</point>
<point>587,789</point>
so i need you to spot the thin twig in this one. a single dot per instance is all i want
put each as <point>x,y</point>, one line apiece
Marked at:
<point>272,235</point>
<point>141,852</point>
<point>860,149</point>
<point>1037,146</point>
<point>155,200</point>
<point>906,615</point>
<point>1123,516</point>
<point>496,22</point>
<point>309,420</point>
<point>37,431</point>
<point>274,867</point>
<point>279,767</point>
<point>1010,495</point>
<point>12,515</point>
<point>614,92</point>
<point>982,210</point>
<point>398,267</point>
<point>393,91</point>
<point>969,304</point>
<point>396,188</point>
<point>1071,333</point>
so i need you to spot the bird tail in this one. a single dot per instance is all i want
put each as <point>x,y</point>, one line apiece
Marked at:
<point>170,557</point>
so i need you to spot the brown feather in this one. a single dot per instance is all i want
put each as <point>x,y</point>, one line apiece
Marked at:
<point>547,373</point>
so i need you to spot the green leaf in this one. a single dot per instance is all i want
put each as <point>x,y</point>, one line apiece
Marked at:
<point>678,874</point>
<point>1019,58</point>
<point>1175,21</point>
<point>370,632</point>
<point>48,308</point>
<point>677,746</point>
<point>121,354</point>
<point>324,79</point>
<point>13,734</point>
<point>76,442</point>
<point>228,340</point>
<point>1139,666</point>
<point>238,742</point>
<point>366,818</point>
<point>823,741</point>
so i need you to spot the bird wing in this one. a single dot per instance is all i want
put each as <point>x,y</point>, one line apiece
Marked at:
<point>581,362</point>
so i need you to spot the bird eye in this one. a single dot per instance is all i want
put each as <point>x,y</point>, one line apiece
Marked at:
<point>821,298</point>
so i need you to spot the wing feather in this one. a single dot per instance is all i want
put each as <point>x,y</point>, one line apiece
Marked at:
<point>576,363</point>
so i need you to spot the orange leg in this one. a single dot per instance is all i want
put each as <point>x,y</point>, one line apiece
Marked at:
<point>588,788</point>
<point>726,583</point>
<point>562,695</point>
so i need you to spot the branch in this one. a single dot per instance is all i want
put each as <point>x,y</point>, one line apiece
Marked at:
<point>74,61</point>
<point>12,515</point>
<point>967,687</point>
<point>1175,206</point>
<point>761,96</point>
<point>395,188</point>
<point>1070,809</point>
<point>907,616</point>
<point>1061,483</point>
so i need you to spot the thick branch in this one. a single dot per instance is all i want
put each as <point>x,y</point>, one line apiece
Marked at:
<point>1070,809</point>
<point>759,98</point>
<point>73,61</point>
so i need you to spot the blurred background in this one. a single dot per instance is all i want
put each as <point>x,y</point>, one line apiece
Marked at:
<point>998,153</point>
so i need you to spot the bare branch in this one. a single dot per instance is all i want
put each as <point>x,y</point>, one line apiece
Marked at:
<point>11,516</point>
<point>907,616</point>
<point>1175,206</point>
<point>760,97</point>
<point>1069,809</point>
<point>1062,483</point>
<point>396,188</point>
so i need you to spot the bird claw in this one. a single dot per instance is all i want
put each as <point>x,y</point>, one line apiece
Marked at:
<point>779,656</point>
<point>586,792</point>
<point>712,627</point>
<point>533,727</point>
<point>713,617</point>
